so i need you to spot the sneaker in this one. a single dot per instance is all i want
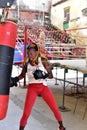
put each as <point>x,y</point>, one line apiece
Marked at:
<point>61,128</point>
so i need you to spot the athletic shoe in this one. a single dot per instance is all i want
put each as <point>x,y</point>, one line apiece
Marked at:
<point>61,128</point>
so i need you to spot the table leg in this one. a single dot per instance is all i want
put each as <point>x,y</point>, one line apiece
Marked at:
<point>56,77</point>
<point>63,108</point>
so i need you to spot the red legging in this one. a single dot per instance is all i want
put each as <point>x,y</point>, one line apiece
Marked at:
<point>45,92</point>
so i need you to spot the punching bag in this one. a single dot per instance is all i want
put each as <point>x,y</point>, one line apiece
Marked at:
<point>8,32</point>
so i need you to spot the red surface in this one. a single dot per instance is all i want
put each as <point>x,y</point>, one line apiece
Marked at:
<point>4,99</point>
<point>8,32</point>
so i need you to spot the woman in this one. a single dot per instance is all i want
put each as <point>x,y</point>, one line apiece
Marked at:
<point>38,69</point>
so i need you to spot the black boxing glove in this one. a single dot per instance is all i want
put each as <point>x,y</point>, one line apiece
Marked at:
<point>39,74</point>
<point>13,81</point>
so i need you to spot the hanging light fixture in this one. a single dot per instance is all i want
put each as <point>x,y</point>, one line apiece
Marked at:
<point>6,3</point>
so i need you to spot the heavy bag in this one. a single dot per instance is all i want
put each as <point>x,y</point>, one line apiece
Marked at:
<point>8,33</point>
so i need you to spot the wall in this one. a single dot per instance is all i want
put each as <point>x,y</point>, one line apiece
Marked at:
<point>77,20</point>
<point>57,12</point>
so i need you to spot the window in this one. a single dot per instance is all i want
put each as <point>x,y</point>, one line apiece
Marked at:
<point>14,14</point>
<point>36,17</point>
<point>66,14</point>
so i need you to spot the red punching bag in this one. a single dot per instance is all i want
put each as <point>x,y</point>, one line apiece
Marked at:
<point>8,32</point>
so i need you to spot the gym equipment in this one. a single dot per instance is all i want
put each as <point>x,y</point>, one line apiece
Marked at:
<point>8,31</point>
<point>39,74</point>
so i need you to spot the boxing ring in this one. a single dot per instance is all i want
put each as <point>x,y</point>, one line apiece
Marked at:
<point>59,44</point>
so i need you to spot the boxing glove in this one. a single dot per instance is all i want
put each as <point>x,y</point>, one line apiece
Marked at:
<point>39,74</point>
<point>13,81</point>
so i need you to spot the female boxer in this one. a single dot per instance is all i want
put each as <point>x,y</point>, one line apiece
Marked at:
<point>38,69</point>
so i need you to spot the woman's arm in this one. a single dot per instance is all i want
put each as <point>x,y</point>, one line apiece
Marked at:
<point>22,75</point>
<point>14,80</point>
<point>47,66</point>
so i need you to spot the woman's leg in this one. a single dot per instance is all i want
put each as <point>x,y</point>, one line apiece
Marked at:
<point>29,102</point>
<point>50,100</point>
<point>21,128</point>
